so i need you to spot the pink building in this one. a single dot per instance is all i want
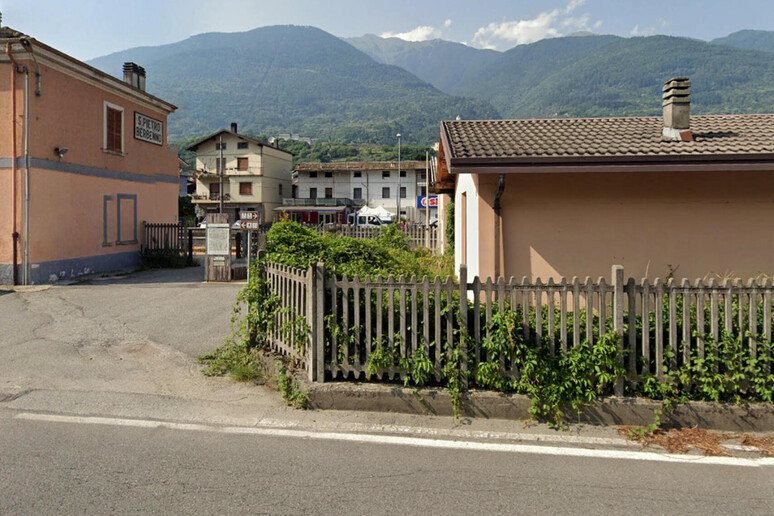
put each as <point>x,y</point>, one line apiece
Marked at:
<point>673,196</point>
<point>83,161</point>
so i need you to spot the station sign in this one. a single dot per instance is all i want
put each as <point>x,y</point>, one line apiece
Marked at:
<point>424,200</point>
<point>148,129</point>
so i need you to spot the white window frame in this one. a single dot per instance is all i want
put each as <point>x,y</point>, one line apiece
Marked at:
<point>105,106</point>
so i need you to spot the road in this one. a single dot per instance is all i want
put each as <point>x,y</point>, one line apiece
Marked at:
<point>103,408</point>
<point>66,467</point>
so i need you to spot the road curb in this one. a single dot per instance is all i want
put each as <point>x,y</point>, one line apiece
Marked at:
<point>753,417</point>
<point>435,401</point>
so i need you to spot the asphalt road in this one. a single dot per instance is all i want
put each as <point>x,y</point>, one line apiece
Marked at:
<point>55,467</point>
<point>103,408</point>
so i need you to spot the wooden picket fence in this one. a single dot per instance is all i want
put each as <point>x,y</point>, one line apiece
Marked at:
<point>166,237</point>
<point>419,236</point>
<point>346,318</point>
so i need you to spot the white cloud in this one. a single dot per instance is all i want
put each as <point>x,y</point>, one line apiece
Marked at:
<point>422,33</point>
<point>660,26</point>
<point>447,24</point>
<point>547,24</point>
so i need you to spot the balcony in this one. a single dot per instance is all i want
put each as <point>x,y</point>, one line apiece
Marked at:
<point>322,201</point>
<point>209,197</point>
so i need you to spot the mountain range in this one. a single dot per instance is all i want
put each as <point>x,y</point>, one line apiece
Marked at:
<point>291,79</point>
<point>303,80</point>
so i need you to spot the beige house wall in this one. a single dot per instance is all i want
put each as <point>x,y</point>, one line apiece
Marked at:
<point>267,169</point>
<point>688,224</point>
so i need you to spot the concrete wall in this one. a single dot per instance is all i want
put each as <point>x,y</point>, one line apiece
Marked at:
<point>74,200</point>
<point>689,224</point>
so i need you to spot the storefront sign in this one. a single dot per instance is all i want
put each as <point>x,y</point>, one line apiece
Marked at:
<point>424,200</point>
<point>148,129</point>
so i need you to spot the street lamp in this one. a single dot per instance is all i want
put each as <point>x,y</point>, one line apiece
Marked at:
<point>398,177</point>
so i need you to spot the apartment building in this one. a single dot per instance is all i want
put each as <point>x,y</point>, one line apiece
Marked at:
<point>253,176</point>
<point>371,184</point>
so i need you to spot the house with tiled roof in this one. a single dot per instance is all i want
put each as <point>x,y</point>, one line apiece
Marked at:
<point>235,172</point>
<point>677,195</point>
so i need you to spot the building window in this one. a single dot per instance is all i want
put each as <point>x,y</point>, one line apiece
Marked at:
<point>329,174</point>
<point>246,188</point>
<point>357,193</point>
<point>312,174</point>
<point>402,173</point>
<point>113,140</point>
<point>242,145</point>
<point>402,192</point>
<point>423,176</point>
<point>358,174</point>
<point>215,188</point>
<point>386,192</point>
<point>422,190</point>
<point>313,193</point>
<point>329,193</point>
<point>219,146</point>
<point>219,167</point>
<point>385,174</point>
<point>280,188</point>
<point>241,163</point>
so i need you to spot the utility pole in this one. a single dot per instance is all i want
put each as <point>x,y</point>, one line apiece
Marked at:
<point>398,177</point>
<point>220,172</point>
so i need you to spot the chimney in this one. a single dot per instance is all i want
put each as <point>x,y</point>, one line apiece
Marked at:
<point>677,110</point>
<point>134,75</point>
<point>233,127</point>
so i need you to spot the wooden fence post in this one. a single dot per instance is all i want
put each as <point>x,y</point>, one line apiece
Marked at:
<point>318,295</point>
<point>464,325</point>
<point>190,246</point>
<point>311,353</point>
<point>618,316</point>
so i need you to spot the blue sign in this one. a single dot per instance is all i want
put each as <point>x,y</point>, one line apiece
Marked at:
<point>424,200</point>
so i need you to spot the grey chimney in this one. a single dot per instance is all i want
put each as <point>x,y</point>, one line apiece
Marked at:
<point>677,109</point>
<point>233,127</point>
<point>134,75</point>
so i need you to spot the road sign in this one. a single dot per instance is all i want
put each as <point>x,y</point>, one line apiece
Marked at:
<point>249,215</point>
<point>249,224</point>
<point>423,201</point>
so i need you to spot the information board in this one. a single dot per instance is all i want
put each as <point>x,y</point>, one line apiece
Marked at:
<point>218,240</point>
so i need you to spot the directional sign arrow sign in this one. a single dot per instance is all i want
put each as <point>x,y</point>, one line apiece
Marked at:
<point>245,224</point>
<point>249,215</point>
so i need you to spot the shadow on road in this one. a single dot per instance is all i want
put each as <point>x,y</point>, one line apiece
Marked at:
<point>189,275</point>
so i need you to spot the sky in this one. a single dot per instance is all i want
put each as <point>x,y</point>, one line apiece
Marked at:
<point>91,28</point>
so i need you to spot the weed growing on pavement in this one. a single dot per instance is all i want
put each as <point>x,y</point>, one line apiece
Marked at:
<point>289,389</point>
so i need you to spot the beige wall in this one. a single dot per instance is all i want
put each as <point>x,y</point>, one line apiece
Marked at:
<point>695,224</point>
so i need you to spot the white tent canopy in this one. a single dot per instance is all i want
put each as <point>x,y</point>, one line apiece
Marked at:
<point>379,211</point>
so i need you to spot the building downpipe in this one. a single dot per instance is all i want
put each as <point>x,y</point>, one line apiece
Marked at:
<point>14,179</point>
<point>498,226</point>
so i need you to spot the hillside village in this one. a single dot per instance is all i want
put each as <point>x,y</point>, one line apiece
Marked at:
<point>570,231</point>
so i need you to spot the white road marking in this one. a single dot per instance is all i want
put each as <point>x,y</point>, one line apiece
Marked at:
<point>405,441</point>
